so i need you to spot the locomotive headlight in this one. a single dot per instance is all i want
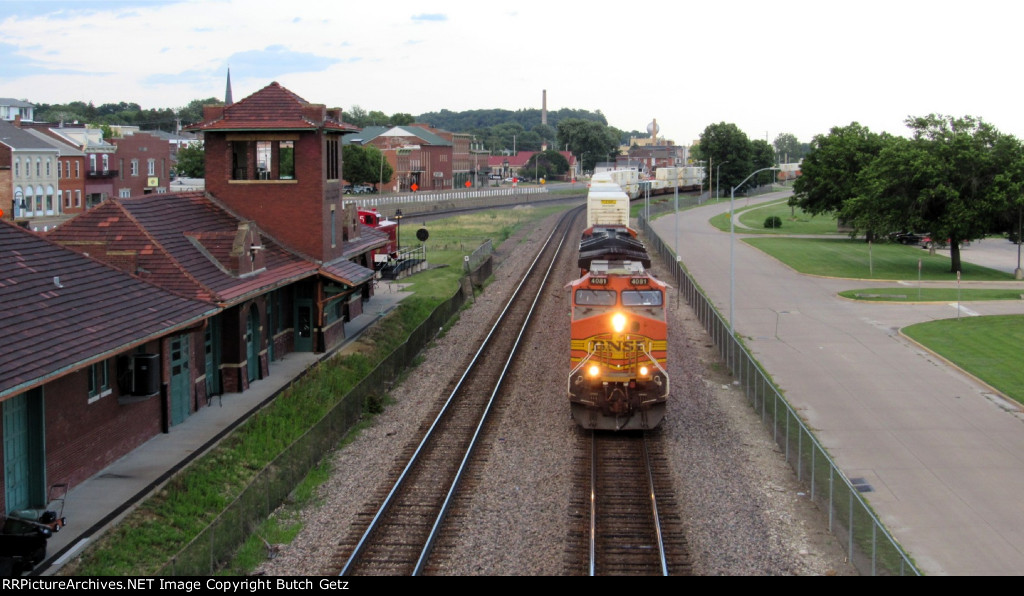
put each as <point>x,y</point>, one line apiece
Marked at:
<point>619,322</point>
<point>643,371</point>
<point>595,370</point>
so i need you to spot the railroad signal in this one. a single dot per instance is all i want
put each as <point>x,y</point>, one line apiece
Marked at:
<point>415,187</point>
<point>468,184</point>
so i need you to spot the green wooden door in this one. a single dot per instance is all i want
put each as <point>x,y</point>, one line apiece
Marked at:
<point>252,344</point>
<point>181,379</point>
<point>24,451</point>
<point>212,347</point>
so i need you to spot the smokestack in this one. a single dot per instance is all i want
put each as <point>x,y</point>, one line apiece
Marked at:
<point>544,108</point>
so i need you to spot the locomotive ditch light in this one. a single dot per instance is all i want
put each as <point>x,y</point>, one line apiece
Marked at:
<point>643,371</point>
<point>595,370</point>
<point>619,322</point>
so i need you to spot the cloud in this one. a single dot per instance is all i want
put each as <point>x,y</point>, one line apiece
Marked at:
<point>273,61</point>
<point>71,9</point>
<point>421,18</point>
<point>17,64</point>
<point>270,63</point>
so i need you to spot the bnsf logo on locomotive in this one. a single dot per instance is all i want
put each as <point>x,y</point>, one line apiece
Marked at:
<point>626,345</point>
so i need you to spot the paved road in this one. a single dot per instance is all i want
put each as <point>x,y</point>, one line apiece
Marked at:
<point>943,453</point>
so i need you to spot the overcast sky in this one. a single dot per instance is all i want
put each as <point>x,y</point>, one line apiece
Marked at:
<point>799,67</point>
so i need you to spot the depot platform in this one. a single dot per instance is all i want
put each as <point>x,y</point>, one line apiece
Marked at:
<point>104,499</point>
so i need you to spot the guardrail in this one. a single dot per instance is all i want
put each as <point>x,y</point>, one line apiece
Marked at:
<point>421,202</point>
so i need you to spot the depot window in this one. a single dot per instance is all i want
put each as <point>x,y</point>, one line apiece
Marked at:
<point>99,380</point>
<point>263,157</point>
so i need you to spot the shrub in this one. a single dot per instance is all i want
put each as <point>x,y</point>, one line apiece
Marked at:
<point>773,222</point>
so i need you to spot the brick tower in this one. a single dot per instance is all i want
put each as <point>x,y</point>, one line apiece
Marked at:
<point>275,159</point>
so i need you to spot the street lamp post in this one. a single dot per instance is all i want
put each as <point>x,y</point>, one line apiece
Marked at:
<point>676,193</point>
<point>732,251</point>
<point>1018,273</point>
<point>718,179</point>
<point>398,231</point>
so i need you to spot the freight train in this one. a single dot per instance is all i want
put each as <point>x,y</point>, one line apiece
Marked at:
<point>619,320</point>
<point>666,180</point>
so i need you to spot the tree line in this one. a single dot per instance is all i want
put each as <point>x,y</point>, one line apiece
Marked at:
<point>124,113</point>
<point>585,134</point>
<point>732,160</point>
<point>955,178</point>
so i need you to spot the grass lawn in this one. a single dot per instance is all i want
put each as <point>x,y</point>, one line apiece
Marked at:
<point>856,259</point>
<point>795,221</point>
<point>451,239</point>
<point>982,346</point>
<point>916,294</point>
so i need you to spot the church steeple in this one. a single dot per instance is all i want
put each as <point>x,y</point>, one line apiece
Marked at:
<point>227,94</point>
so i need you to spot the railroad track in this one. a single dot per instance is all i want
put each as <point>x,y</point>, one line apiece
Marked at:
<point>402,526</point>
<point>626,515</point>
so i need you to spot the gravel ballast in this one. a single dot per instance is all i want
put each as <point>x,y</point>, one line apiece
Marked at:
<point>744,511</point>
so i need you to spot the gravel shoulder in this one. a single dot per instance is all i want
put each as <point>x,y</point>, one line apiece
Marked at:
<point>744,510</point>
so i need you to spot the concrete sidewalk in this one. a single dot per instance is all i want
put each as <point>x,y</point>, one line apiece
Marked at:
<point>103,500</point>
<point>942,453</point>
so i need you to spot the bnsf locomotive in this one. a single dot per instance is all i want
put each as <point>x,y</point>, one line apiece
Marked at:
<point>619,326</point>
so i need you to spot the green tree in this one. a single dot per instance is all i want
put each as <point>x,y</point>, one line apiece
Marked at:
<point>727,154</point>
<point>365,164</point>
<point>193,112</point>
<point>950,177</point>
<point>356,116</point>
<point>830,171</point>
<point>788,148</point>
<point>377,118</point>
<point>546,164</point>
<point>402,119</point>
<point>192,161</point>
<point>547,133</point>
<point>1009,187</point>
<point>591,140</point>
<point>763,156</point>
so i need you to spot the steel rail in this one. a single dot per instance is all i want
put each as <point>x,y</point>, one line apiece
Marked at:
<point>435,529</point>
<point>367,534</point>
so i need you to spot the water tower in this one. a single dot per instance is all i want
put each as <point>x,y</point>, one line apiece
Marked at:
<point>652,129</point>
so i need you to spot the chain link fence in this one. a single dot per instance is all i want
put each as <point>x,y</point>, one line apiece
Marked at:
<point>216,545</point>
<point>870,548</point>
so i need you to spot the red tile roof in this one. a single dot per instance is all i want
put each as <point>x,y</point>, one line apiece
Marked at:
<point>183,243</point>
<point>63,311</point>
<point>273,108</point>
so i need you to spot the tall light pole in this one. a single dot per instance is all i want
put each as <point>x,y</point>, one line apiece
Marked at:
<point>1018,273</point>
<point>398,231</point>
<point>675,190</point>
<point>718,178</point>
<point>732,252</point>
